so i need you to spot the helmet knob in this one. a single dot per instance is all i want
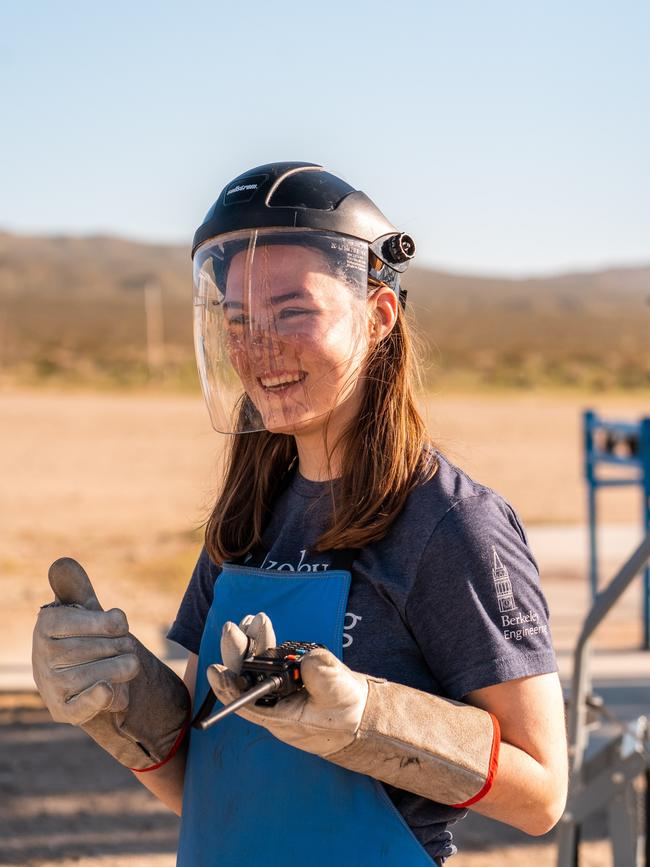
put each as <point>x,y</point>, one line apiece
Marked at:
<point>399,248</point>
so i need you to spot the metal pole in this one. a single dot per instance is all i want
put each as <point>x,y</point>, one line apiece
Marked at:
<point>646,795</point>
<point>4,338</point>
<point>644,457</point>
<point>154,323</point>
<point>590,419</point>
<point>577,734</point>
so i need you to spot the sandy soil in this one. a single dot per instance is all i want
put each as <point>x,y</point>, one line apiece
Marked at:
<point>122,483</point>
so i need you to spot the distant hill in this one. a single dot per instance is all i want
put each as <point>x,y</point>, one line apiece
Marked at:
<point>73,308</point>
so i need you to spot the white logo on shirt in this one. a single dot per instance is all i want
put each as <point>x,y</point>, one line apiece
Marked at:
<point>349,622</point>
<point>525,624</point>
<point>502,585</point>
<point>289,567</point>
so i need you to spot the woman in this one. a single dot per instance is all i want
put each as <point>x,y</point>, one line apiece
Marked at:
<point>339,524</point>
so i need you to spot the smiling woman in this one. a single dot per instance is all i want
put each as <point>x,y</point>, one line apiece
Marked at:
<point>335,508</point>
<point>286,312</point>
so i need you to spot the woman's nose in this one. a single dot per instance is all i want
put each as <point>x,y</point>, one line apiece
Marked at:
<point>262,342</point>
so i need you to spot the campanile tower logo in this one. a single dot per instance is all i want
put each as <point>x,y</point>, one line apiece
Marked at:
<point>502,584</point>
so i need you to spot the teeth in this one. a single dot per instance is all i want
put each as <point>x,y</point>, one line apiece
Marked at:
<point>284,379</point>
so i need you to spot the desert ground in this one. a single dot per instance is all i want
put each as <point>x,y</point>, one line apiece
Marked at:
<point>124,482</point>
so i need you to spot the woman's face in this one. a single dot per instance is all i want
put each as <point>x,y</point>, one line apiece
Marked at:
<point>297,335</point>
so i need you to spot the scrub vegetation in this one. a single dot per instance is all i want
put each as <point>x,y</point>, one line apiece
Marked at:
<point>72,311</point>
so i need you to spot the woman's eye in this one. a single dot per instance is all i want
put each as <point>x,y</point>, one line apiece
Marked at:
<point>294,312</point>
<point>238,320</point>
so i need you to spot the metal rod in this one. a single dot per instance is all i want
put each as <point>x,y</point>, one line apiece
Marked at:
<point>250,695</point>
<point>599,610</point>
<point>617,483</point>
<point>593,542</point>
<point>154,326</point>
<point>646,862</point>
<point>606,599</point>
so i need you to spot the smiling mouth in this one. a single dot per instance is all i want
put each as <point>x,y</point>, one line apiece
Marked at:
<point>281,382</point>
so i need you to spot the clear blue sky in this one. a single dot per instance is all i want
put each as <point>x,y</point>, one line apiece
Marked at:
<point>508,136</point>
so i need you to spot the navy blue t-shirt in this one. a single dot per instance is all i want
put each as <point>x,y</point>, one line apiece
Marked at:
<point>448,602</point>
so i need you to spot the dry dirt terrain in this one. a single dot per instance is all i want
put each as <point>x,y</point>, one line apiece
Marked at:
<point>123,483</point>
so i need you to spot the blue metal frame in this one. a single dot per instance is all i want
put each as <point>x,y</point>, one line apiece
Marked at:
<point>596,454</point>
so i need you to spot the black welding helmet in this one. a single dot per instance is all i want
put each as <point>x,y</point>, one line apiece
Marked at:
<point>283,264</point>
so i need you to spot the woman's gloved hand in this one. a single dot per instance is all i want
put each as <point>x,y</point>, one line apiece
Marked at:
<point>322,718</point>
<point>254,635</point>
<point>437,748</point>
<point>91,672</point>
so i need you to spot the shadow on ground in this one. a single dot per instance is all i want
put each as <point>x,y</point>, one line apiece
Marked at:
<point>64,798</point>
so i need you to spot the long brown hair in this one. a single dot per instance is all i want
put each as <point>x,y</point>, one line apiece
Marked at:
<point>384,456</point>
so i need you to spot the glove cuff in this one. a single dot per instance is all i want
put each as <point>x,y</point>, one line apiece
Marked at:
<point>152,728</point>
<point>492,766</point>
<point>440,749</point>
<point>175,748</point>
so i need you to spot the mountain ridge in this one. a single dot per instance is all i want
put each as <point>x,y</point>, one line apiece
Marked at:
<point>68,302</point>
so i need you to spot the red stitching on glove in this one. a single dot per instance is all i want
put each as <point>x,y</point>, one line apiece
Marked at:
<point>492,767</point>
<point>177,743</point>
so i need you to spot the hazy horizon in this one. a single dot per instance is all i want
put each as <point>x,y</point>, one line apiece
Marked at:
<point>588,269</point>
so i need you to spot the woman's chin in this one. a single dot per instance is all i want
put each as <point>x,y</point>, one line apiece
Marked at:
<point>299,424</point>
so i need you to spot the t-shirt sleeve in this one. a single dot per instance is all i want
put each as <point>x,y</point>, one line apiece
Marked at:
<point>187,628</point>
<point>476,607</point>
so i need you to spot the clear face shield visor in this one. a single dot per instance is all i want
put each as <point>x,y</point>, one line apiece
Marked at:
<point>280,326</point>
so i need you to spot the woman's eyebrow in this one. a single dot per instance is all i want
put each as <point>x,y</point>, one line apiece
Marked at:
<point>288,296</point>
<point>275,299</point>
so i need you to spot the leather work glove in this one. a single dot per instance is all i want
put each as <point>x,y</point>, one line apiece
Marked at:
<point>91,672</point>
<point>440,749</point>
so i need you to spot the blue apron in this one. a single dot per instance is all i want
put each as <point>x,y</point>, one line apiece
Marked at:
<point>250,799</point>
